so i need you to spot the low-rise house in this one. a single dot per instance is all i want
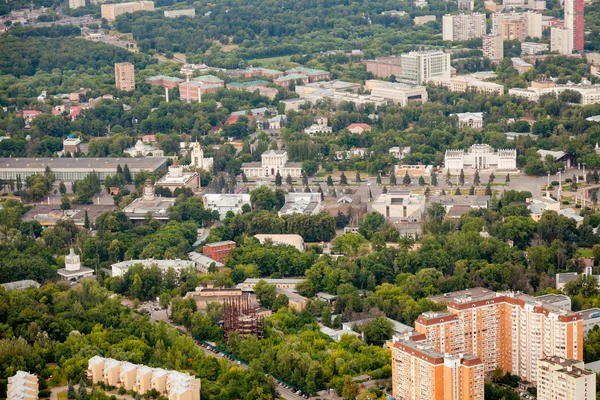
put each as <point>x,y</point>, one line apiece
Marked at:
<point>21,285</point>
<point>269,73</point>
<point>283,283</point>
<point>399,152</point>
<point>359,128</point>
<point>287,80</point>
<point>316,128</point>
<point>121,268</point>
<point>203,262</point>
<point>203,296</point>
<point>472,120</point>
<point>277,239</point>
<point>296,301</point>
<point>276,122</point>
<point>314,75</point>
<point>347,204</point>
<point>348,154</point>
<point>520,65</point>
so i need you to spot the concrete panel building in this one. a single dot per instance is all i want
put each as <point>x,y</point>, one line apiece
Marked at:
<point>561,378</point>
<point>532,48</point>
<point>73,4</point>
<point>463,26</point>
<point>125,76</point>
<point>22,386</point>
<point>493,47</point>
<point>112,11</point>
<point>561,40</point>
<point>418,66</point>
<point>574,22</point>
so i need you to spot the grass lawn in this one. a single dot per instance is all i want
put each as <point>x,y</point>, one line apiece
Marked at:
<point>272,60</point>
<point>587,253</point>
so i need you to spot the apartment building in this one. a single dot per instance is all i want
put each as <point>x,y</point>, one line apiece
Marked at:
<point>532,48</point>
<point>421,373</point>
<point>125,76</point>
<point>418,66</point>
<point>382,67</point>
<point>73,4</point>
<point>517,25</point>
<point>561,40</point>
<point>112,11</point>
<point>508,330</point>
<point>561,378</point>
<point>22,386</point>
<point>574,22</point>
<point>493,47</point>
<point>463,26</point>
<point>521,65</point>
<point>140,378</point>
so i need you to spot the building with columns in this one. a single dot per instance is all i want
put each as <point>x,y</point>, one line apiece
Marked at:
<point>73,269</point>
<point>176,177</point>
<point>272,162</point>
<point>481,156</point>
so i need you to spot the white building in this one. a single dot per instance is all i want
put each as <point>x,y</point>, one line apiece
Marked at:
<point>73,270</point>
<point>177,178</point>
<point>470,120</point>
<point>532,48</point>
<point>272,162</point>
<point>198,159</point>
<point>399,93</point>
<point>158,207</point>
<point>399,152</point>
<point>203,263</point>
<point>316,128</point>
<point>493,47</point>
<point>560,378</point>
<point>303,203</point>
<point>418,66</point>
<point>144,150</point>
<point>589,94</point>
<point>532,22</point>
<point>121,268</point>
<point>400,205</point>
<point>22,386</point>
<point>223,203</point>
<point>561,40</point>
<point>463,26</point>
<point>186,12</point>
<point>481,156</point>
<point>290,239</point>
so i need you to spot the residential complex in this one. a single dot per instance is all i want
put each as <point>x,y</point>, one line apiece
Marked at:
<point>22,386</point>
<point>418,66</point>
<point>463,26</point>
<point>125,76</point>
<point>574,22</point>
<point>561,378</point>
<point>517,25</point>
<point>73,4</point>
<point>493,47</point>
<point>419,372</point>
<point>481,156</point>
<point>112,11</point>
<point>561,40</point>
<point>509,330</point>
<point>173,385</point>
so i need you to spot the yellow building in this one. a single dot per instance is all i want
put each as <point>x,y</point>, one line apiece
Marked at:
<point>112,11</point>
<point>564,379</point>
<point>125,76</point>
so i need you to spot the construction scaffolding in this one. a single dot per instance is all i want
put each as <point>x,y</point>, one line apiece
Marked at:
<point>239,316</point>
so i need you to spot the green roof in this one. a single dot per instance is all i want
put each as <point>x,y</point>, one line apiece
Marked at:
<point>208,78</point>
<point>164,78</point>
<point>309,71</point>
<point>246,84</point>
<point>267,70</point>
<point>290,77</point>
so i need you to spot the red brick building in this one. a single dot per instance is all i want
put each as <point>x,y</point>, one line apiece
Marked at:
<point>218,251</point>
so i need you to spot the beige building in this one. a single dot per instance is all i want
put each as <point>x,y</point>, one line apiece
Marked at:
<point>463,26</point>
<point>112,11</point>
<point>493,47</point>
<point>464,83</point>
<point>561,40</point>
<point>400,205</point>
<point>519,25</point>
<point>125,76</point>
<point>73,4</point>
<point>22,386</point>
<point>400,94</point>
<point>564,379</point>
<point>421,373</point>
<point>272,162</point>
<point>283,283</point>
<point>589,94</point>
<point>422,20</point>
<point>521,65</point>
<point>140,378</point>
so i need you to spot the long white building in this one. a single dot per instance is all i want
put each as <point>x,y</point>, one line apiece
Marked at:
<point>400,93</point>
<point>463,26</point>
<point>481,156</point>
<point>589,94</point>
<point>561,378</point>
<point>121,268</point>
<point>272,162</point>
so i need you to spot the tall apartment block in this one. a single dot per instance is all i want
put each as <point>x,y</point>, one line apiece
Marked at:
<point>140,378</point>
<point>574,22</point>
<point>561,40</point>
<point>493,47</point>
<point>560,378</point>
<point>125,76</point>
<point>418,66</point>
<point>517,25</point>
<point>463,26</point>
<point>22,386</point>
<point>510,331</point>
<point>112,11</point>
<point>421,373</point>
<point>73,4</point>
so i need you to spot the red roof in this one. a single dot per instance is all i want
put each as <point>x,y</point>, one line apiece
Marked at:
<point>74,111</point>
<point>30,113</point>
<point>359,125</point>
<point>149,138</point>
<point>233,118</point>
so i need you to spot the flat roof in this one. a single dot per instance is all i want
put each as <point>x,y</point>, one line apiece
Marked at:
<point>135,164</point>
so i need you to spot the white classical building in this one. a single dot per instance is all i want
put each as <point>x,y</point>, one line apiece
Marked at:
<point>198,159</point>
<point>470,120</point>
<point>273,161</point>
<point>481,156</point>
<point>143,150</point>
<point>73,270</point>
<point>176,178</point>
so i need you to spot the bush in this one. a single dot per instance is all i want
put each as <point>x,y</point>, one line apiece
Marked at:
<point>45,393</point>
<point>555,183</point>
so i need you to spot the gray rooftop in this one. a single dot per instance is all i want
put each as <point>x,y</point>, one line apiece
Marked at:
<point>20,285</point>
<point>134,164</point>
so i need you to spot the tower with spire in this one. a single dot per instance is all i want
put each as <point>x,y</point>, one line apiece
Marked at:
<point>197,156</point>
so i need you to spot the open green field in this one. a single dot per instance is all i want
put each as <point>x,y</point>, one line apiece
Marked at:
<point>271,60</point>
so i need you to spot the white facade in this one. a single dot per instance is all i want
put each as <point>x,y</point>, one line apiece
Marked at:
<point>303,203</point>
<point>273,161</point>
<point>73,4</point>
<point>561,40</point>
<point>121,268</point>
<point>22,386</point>
<point>143,150</point>
<point>400,94</point>
<point>198,159</point>
<point>463,26</point>
<point>186,12</point>
<point>589,94</point>
<point>399,152</point>
<point>402,205</point>
<point>532,48</point>
<point>532,20</point>
<point>418,66</point>
<point>560,378</point>
<point>470,120</point>
<point>73,269</point>
<point>223,203</point>
<point>316,128</point>
<point>481,156</point>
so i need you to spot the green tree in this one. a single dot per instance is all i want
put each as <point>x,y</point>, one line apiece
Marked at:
<point>476,178</point>
<point>343,179</point>
<point>289,180</point>
<point>71,394</point>
<point>65,204</point>
<point>329,181</point>
<point>488,190</point>
<point>377,331</point>
<point>421,181</point>
<point>265,293</point>
<point>434,180</point>
<point>507,179</point>
<point>358,177</point>
<point>392,178</point>
<point>62,188</point>
<point>86,220</point>
<point>406,180</point>
<point>278,179</point>
<point>127,174</point>
<point>349,389</point>
<point>461,178</point>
